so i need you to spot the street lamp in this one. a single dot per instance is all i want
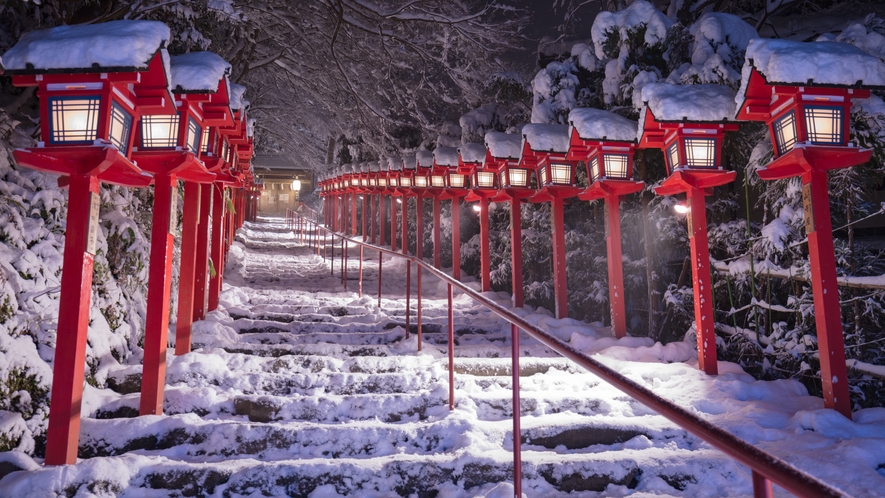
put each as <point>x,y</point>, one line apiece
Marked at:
<point>605,142</point>
<point>544,150</point>
<point>681,120</point>
<point>804,92</point>
<point>89,102</point>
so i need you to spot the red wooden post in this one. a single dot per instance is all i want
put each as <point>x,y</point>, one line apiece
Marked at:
<point>825,289</point>
<point>380,260</point>
<point>484,248</point>
<point>70,351</point>
<point>456,238</point>
<point>153,379</point>
<point>615,264</point>
<point>436,232</point>
<point>187,268</point>
<point>761,486</point>
<point>365,216</point>
<point>405,222</point>
<point>393,224</point>
<point>420,330</point>
<point>201,281</point>
<point>216,248</point>
<point>408,293</point>
<point>517,413</point>
<point>700,275</point>
<point>451,350</point>
<point>560,286</point>
<point>516,252</point>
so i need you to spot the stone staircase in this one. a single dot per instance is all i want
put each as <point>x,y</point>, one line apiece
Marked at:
<point>302,389</point>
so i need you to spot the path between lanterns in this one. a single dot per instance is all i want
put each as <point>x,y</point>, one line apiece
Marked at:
<point>298,387</point>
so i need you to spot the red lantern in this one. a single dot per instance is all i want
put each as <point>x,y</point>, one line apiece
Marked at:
<point>544,151</point>
<point>676,119</point>
<point>803,92</point>
<point>605,141</point>
<point>88,110</point>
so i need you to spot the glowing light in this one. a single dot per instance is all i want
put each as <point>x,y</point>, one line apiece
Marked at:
<point>296,185</point>
<point>477,208</point>
<point>681,208</point>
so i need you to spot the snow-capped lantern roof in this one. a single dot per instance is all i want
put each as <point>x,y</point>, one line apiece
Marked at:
<point>599,124</point>
<point>445,157</point>
<point>706,103</point>
<point>473,153</point>
<point>384,165</point>
<point>774,62</point>
<point>364,167</point>
<point>424,158</point>
<point>395,163</point>
<point>198,72</point>
<point>551,138</point>
<point>237,102</point>
<point>410,162</point>
<point>503,145</point>
<point>114,46</point>
<point>374,167</point>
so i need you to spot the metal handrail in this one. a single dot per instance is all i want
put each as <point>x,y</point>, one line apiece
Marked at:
<point>766,467</point>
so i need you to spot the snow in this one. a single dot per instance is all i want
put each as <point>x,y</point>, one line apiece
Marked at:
<point>546,137</point>
<point>394,163</point>
<point>596,124</point>
<point>705,103</point>
<point>237,102</point>
<point>295,379</point>
<point>424,158</point>
<point>113,44</point>
<point>198,71</point>
<point>870,42</point>
<point>639,12</point>
<point>374,167</point>
<point>504,145</point>
<point>446,156</point>
<point>803,63</point>
<point>473,153</point>
<point>410,162</point>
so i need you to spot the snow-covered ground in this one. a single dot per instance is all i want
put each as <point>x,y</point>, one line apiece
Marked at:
<point>298,387</point>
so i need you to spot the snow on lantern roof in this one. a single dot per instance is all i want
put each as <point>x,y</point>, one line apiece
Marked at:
<point>473,153</point>
<point>446,156</point>
<point>105,47</point>
<point>395,163</point>
<point>237,101</point>
<point>373,167</point>
<point>504,145</point>
<point>199,72</point>
<point>699,103</point>
<point>424,158</point>
<point>597,124</point>
<point>788,62</point>
<point>410,162</point>
<point>546,137</point>
<point>364,167</point>
<point>250,127</point>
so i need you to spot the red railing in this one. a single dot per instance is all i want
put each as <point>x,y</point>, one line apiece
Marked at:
<point>766,468</point>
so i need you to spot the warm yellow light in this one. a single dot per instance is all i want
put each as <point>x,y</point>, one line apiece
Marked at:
<point>594,169</point>
<point>74,120</point>
<point>680,208</point>
<point>561,173</point>
<point>824,124</point>
<point>392,181</point>
<point>477,208</point>
<point>456,180</point>
<point>700,152</point>
<point>382,182</point>
<point>438,181</point>
<point>405,181</point>
<point>485,179</point>
<point>421,181</point>
<point>159,131</point>
<point>296,185</point>
<point>615,165</point>
<point>542,176</point>
<point>518,177</point>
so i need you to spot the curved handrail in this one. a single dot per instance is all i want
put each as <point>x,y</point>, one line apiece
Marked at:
<point>765,464</point>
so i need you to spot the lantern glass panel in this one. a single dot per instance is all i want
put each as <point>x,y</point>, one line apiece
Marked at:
<point>485,179</point>
<point>393,181</point>
<point>824,124</point>
<point>372,182</point>
<point>456,180</point>
<point>382,182</point>
<point>673,156</point>
<point>193,135</point>
<point>593,168</point>
<point>503,178</point>
<point>73,120</point>
<point>785,132</point>
<point>207,147</point>
<point>364,182</point>
<point>421,181</point>
<point>406,181</point>
<point>542,176</point>
<point>700,152</point>
<point>224,149</point>
<point>438,181</point>
<point>518,177</point>
<point>121,125</point>
<point>615,165</point>
<point>159,131</point>
<point>561,173</point>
